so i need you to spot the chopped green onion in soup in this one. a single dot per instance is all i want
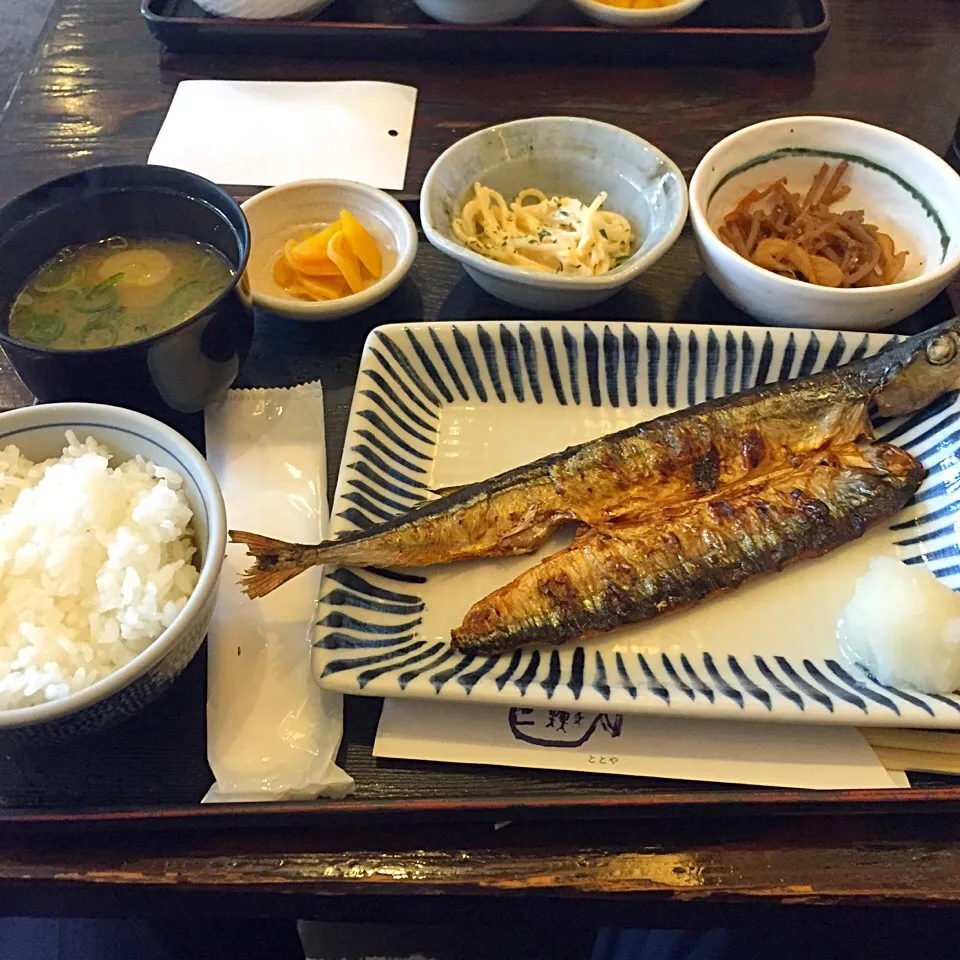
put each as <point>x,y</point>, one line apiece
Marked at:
<point>116,291</point>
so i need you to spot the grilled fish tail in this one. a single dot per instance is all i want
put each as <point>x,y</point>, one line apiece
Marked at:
<point>511,514</point>
<point>276,562</point>
<point>627,573</point>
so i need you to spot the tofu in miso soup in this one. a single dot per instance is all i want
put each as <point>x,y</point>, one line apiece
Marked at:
<point>116,291</point>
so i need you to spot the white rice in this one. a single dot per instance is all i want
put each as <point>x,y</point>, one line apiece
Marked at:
<point>95,563</point>
<point>903,625</point>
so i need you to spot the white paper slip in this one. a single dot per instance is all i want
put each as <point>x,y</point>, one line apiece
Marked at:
<point>264,133</point>
<point>272,733</point>
<point>772,754</point>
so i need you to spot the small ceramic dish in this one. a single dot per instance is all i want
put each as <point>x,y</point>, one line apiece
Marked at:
<point>476,11</point>
<point>639,17</point>
<point>293,209</point>
<point>38,431</point>
<point>561,156</point>
<point>263,9</point>
<point>903,188</point>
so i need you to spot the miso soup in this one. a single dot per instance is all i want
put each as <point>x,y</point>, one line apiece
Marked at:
<point>116,291</point>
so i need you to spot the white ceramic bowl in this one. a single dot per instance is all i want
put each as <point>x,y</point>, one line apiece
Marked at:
<point>263,9</point>
<point>905,189</point>
<point>39,433</point>
<point>559,155</point>
<point>641,18</point>
<point>277,214</point>
<point>476,11</point>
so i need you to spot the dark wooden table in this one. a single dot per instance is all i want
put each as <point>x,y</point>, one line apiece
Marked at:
<point>97,93</point>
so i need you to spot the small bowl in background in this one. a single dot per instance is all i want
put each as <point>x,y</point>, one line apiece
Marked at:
<point>180,370</point>
<point>568,156</point>
<point>476,11</point>
<point>38,431</point>
<point>280,213</point>
<point>903,188</point>
<point>640,18</point>
<point>263,9</point>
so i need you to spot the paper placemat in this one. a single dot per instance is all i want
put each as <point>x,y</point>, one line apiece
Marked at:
<point>771,754</point>
<point>264,133</point>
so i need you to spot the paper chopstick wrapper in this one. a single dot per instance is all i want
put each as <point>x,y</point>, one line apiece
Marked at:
<point>272,733</point>
<point>918,750</point>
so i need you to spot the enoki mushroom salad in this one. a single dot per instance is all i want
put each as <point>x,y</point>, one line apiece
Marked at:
<point>547,234</point>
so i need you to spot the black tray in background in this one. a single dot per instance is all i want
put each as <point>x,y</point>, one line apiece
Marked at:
<point>740,31</point>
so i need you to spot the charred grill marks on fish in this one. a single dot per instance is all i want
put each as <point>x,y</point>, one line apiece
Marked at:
<point>630,571</point>
<point>642,467</point>
<point>670,511</point>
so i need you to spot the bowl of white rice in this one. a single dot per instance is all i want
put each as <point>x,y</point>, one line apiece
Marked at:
<point>112,536</point>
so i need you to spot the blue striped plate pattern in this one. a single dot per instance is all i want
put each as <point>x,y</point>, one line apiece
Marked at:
<point>443,404</point>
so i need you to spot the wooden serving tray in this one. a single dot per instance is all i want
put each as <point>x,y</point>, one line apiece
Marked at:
<point>151,771</point>
<point>744,31</point>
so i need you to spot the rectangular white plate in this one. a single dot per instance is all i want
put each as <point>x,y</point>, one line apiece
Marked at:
<point>443,404</point>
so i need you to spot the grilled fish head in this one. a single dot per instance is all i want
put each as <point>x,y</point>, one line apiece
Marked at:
<point>917,371</point>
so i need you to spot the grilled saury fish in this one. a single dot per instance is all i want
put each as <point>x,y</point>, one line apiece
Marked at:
<point>670,511</point>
